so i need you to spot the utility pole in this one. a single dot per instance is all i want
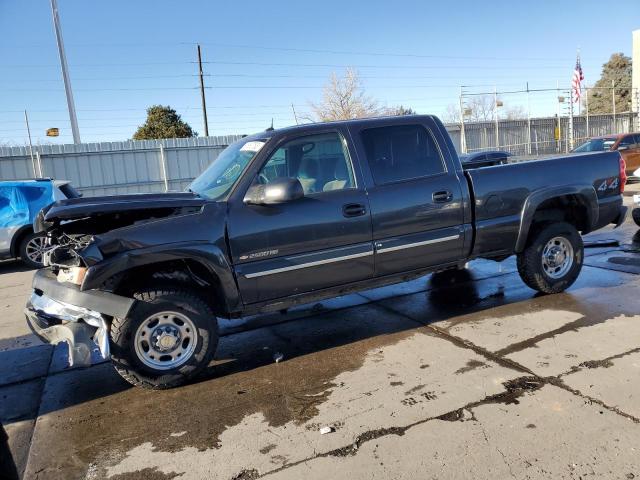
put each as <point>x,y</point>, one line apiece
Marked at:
<point>528,119</point>
<point>33,163</point>
<point>65,73</point>
<point>586,107</point>
<point>570,129</point>
<point>204,101</point>
<point>463,139</point>
<point>559,133</point>
<point>613,101</point>
<point>294,113</point>
<point>495,109</point>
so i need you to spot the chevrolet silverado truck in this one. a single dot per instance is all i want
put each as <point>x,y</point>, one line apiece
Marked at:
<point>298,215</point>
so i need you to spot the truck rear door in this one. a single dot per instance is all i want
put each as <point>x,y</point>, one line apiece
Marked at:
<point>415,195</point>
<point>321,240</point>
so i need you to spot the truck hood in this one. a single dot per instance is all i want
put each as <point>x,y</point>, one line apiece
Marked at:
<point>93,228</point>
<point>76,208</point>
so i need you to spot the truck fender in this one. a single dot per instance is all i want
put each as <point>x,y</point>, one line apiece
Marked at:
<point>586,193</point>
<point>208,255</point>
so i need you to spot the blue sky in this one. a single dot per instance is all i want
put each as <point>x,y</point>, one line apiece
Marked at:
<point>262,56</point>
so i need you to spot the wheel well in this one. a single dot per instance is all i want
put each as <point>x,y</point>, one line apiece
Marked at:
<point>17,239</point>
<point>567,208</point>
<point>184,273</point>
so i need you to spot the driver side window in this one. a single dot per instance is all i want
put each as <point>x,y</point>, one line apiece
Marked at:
<point>320,162</point>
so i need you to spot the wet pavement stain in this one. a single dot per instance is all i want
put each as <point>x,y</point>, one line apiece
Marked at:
<point>471,365</point>
<point>596,364</point>
<point>147,474</point>
<point>247,475</point>
<point>267,449</point>
<point>415,389</point>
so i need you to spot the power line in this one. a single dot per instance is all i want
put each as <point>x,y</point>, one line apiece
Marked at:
<point>306,50</point>
<point>334,65</point>
<point>380,54</point>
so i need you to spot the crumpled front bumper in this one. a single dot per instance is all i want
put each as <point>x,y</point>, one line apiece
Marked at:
<point>61,312</point>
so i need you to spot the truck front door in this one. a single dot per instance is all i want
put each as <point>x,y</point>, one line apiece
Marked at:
<point>321,240</point>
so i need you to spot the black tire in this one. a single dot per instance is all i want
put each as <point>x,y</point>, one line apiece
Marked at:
<point>28,257</point>
<point>530,261</point>
<point>636,215</point>
<point>127,361</point>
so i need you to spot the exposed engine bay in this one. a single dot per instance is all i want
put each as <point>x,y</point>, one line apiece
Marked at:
<point>80,235</point>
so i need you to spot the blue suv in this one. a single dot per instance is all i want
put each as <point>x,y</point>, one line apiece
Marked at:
<point>20,202</point>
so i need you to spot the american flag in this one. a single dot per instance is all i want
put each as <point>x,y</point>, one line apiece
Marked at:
<point>576,81</point>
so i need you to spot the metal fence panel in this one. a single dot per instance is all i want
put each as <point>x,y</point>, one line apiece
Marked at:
<point>117,167</point>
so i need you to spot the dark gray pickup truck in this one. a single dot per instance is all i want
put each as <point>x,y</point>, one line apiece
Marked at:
<point>297,215</point>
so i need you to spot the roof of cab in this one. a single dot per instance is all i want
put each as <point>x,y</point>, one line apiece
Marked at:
<point>323,125</point>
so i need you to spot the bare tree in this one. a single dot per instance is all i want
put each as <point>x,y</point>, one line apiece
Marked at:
<point>481,108</point>
<point>451,114</point>
<point>344,98</point>
<point>514,112</point>
<point>399,111</point>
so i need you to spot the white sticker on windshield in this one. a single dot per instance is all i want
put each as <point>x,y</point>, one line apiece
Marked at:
<point>254,146</point>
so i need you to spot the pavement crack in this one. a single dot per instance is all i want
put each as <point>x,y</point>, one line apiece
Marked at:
<point>557,382</point>
<point>602,363</point>
<point>528,343</point>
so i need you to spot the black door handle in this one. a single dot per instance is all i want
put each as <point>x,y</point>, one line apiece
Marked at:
<point>353,210</point>
<point>442,197</point>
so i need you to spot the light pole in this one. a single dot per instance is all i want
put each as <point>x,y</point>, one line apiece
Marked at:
<point>65,74</point>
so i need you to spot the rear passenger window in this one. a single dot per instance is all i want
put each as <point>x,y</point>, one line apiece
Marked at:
<point>401,152</point>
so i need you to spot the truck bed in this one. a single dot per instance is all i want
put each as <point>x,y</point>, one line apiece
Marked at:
<point>500,193</point>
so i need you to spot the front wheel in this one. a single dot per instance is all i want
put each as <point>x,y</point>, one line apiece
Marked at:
<point>168,338</point>
<point>32,248</point>
<point>552,259</point>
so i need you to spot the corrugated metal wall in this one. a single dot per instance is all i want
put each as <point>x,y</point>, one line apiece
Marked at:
<point>117,167</point>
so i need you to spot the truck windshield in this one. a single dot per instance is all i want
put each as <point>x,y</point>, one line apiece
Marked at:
<point>596,145</point>
<point>221,175</point>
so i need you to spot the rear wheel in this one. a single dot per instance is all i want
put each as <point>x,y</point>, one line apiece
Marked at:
<point>168,338</point>
<point>553,258</point>
<point>31,249</point>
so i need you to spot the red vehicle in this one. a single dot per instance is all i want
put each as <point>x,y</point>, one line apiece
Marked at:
<point>628,144</point>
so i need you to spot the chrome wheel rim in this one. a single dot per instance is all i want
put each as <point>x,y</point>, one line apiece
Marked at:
<point>557,257</point>
<point>35,248</point>
<point>166,340</point>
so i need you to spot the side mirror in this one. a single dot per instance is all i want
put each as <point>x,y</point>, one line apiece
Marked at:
<point>280,190</point>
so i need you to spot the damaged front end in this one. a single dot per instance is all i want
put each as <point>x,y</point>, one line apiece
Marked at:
<point>82,234</point>
<point>60,312</point>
